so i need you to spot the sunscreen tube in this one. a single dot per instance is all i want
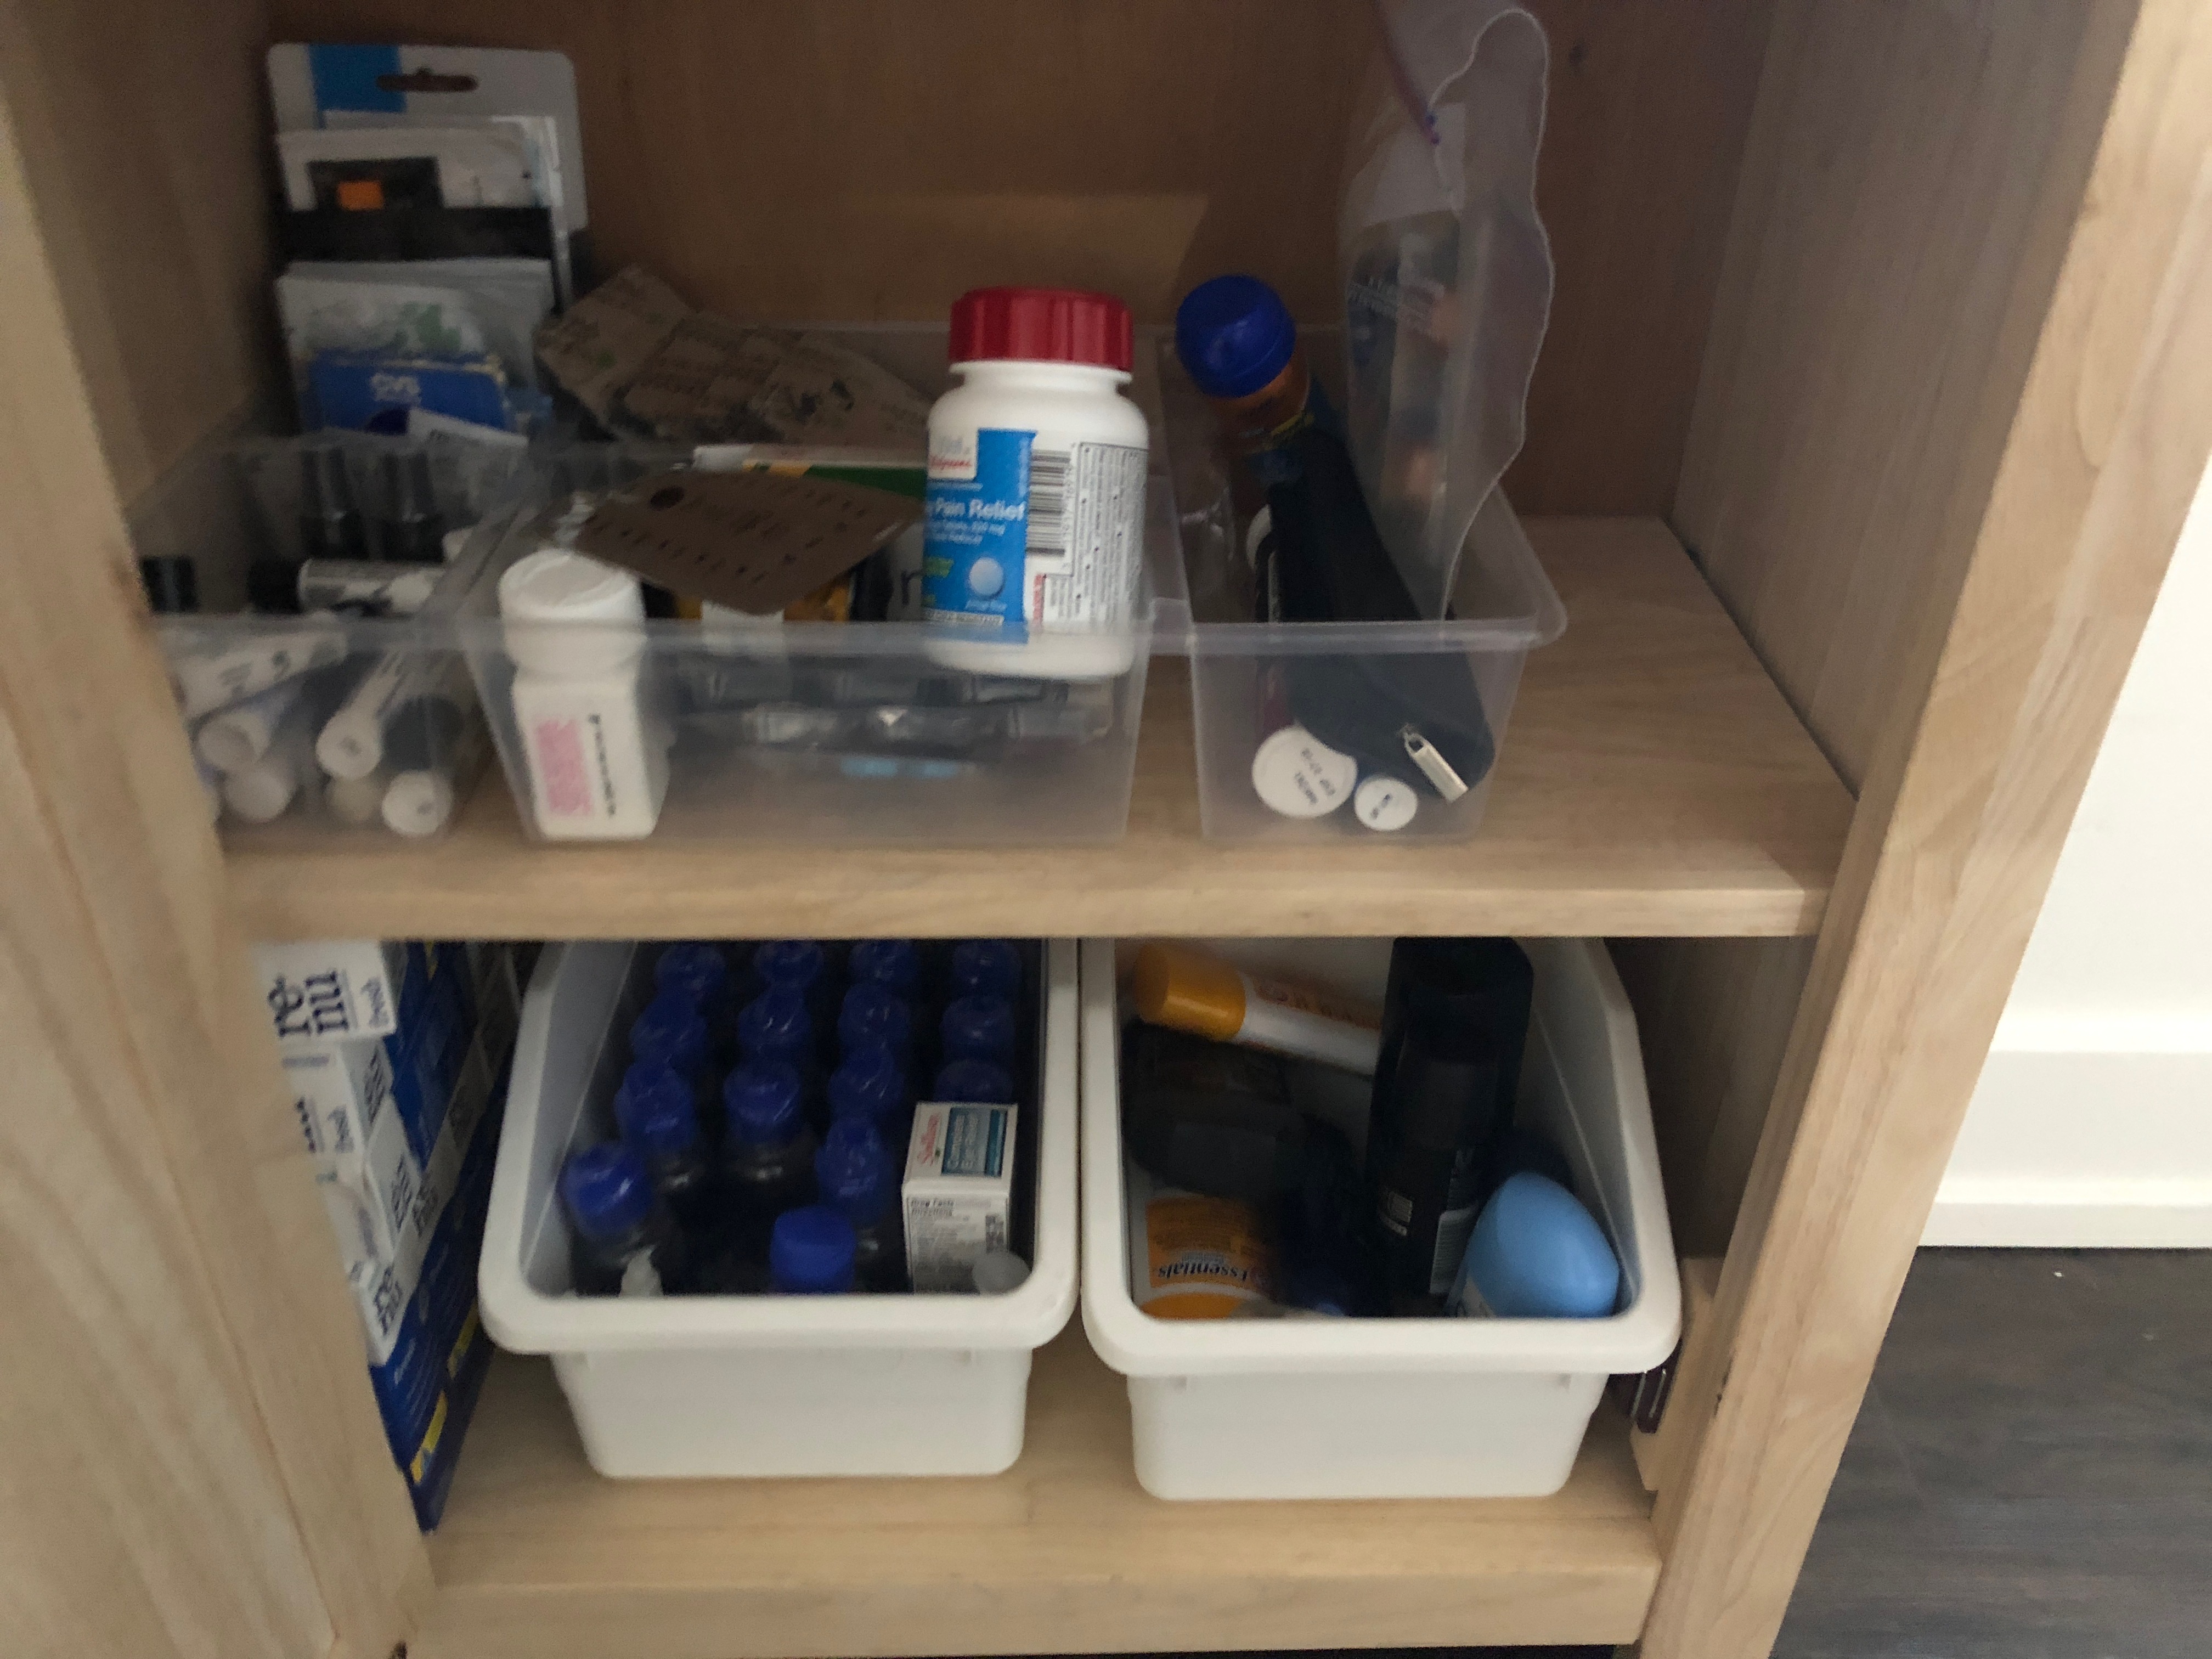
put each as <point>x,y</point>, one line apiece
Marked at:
<point>1190,991</point>
<point>231,740</point>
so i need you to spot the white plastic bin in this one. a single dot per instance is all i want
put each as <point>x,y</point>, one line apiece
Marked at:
<point>759,1385</point>
<point>1393,1407</point>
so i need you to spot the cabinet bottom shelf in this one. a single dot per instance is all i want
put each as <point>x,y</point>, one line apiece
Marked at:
<point>540,1558</point>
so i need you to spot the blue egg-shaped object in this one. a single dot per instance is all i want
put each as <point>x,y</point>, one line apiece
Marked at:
<point>1537,1253</point>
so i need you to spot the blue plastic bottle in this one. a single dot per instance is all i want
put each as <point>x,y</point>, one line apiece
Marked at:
<point>777,1025</point>
<point>1536,1254</point>
<point>811,1252</point>
<point>615,1217</point>
<point>871,1086</point>
<point>1238,342</point>
<point>658,1118</point>
<point>801,966</point>
<point>694,966</point>
<point>980,1027</point>
<point>893,964</point>
<point>986,967</point>
<point>768,1160</point>
<point>873,1015</point>
<point>976,1082</point>
<point>858,1178</point>
<point>671,1031</point>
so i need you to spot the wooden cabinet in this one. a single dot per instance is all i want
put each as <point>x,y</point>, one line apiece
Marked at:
<point>1874,398</point>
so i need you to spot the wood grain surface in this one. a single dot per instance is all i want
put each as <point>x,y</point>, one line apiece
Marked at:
<point>540,1558</point>
<point>1652,781</point>
<point>2002,705</point>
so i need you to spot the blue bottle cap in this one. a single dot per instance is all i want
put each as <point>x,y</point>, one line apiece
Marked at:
<point>696,969</point>
<point>670,1031</point>
<point>654,1110</point>
<point>607,1191</point>
<point>977,1082</point>
<point>1536,1254</point>
<point>893,964</point>
<point>775,1025</point>
<point>873,1014</point>
<point>979,1028</point>
<point>986,966</point>
<point>797,963</point>
<point>853,1170</point>
<point>811,1252</point>
<point>761,1101</point>
<point>1234,335</point>
<point>871,1084</point>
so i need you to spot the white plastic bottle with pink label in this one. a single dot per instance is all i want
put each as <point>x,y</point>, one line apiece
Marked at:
<point>596,755</point>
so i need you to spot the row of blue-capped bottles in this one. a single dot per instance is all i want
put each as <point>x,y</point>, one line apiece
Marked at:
<point>765,1113</point>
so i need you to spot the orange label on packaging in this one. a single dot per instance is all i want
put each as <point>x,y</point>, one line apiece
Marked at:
<point>361,195</point>
<point>1207,1258</point>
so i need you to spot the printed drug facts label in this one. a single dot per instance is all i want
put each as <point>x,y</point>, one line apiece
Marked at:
<point>1021,535</point>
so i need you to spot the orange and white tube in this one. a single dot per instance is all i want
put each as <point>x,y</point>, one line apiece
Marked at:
<point>1190,991</point>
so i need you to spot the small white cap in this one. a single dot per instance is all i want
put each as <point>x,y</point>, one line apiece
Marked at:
<point>555,586</point>
<point>1298,775</point>
<point>232,745</point>
<point>454,542</point>
<point>1382,802</point>
<point>999,1272</point>
<point>355,800</point>
<point>260,793</point>
<point>418,803</point>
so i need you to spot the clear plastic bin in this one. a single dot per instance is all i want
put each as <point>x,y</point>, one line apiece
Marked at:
<point>820,732</point>
<point>760,1385</point>
<point>329,725</point>
<point>1246,676</point>
<point>1288,1409</point>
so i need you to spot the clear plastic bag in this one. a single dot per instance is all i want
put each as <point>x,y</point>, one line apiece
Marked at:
<point>1446,272</point>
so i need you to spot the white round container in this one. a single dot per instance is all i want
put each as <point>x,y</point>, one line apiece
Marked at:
<point>1036,524</point>
<point>554,585</point>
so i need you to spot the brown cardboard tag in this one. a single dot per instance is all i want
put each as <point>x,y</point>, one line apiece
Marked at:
<point>755,541</point>
<point>606,338</point>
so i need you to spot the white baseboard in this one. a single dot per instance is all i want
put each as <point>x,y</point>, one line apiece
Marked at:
<point>2056,1213</point>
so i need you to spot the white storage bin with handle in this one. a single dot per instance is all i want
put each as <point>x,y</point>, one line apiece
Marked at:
<point>1393,1407</point>
<point>760,1385</point>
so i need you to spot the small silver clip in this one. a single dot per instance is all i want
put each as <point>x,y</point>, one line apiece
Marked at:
<point>1434,767</point>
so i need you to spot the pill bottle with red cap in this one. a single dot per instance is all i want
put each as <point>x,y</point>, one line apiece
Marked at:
<point>1036,522</point>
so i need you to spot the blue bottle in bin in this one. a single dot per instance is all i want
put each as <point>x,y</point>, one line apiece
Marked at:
<point>857,1176</point>
<point>985,967</point>
<point>975,1081</point>
<point>768,1152</point>
<point>622,1239</point>
<point>979,1027</point>
<point>657,1115</point>
<point>873,1015</point>
<point>812,1252</point>
<point>893,964</point>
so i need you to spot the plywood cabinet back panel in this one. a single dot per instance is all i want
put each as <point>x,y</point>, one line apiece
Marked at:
<point>872,158</point>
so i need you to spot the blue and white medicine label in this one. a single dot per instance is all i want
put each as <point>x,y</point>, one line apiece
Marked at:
<point>1022,537</point>
<point>974,564</point>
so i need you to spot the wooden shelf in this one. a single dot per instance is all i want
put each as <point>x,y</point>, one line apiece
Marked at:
<point>1653,782</point>
<point>540,1558</point>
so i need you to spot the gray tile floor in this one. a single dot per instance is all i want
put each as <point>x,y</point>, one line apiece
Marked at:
<point>2031,1476</point>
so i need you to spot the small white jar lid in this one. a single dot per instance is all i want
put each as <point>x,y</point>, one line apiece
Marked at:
<point>418,803</point>
<point>554,585</point>
<point>260,793</point>
<point>1299,776</point>
<point>1382,802</point>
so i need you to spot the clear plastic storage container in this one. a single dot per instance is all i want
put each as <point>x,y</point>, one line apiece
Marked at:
<point>329,724</point>
<point>815,731</point>
<point>760,1385</point>
<point>1246,675</point>
<point>1314,1407</point>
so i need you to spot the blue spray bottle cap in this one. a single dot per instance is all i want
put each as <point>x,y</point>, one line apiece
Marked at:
<point>975,1081</point>
<point>1234,335</point>
<point>671,1031</point>
<point>762,1101</point>
<point>872,1014</point>
<point>607,1191</point>
<point>853,1170</point>
<point>654,1110</point>
<point>698,968</point>
<point>870,1084</point>
<point>775,1025</point>
<point>980,1027</point>
<point>986,967</point>
<point>893,964</point>
<point>797,963</point>
<point>811,1252</point>
<point>1536,1254</point>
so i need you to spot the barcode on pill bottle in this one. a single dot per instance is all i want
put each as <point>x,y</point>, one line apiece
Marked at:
<point>1047,506</point>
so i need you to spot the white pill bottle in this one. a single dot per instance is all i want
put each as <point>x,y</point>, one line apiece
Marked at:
<point>1036,522</point>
